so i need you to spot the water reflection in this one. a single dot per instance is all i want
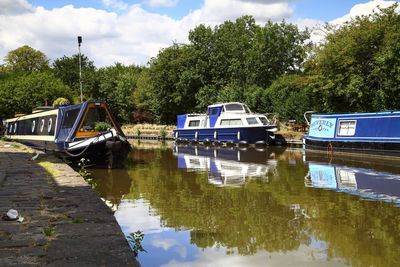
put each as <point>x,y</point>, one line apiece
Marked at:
<point>369,183</point>
<point>227,166</point>
<point>232,207</point>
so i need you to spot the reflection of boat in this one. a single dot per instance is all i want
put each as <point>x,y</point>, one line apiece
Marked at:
<point>226,122</point>
<point>368,133</point>
<point>226,166</point>
<point>359,181</point>
<point>85,130</point>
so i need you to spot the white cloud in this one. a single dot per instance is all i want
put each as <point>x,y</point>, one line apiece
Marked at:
<point>268,1</point>
<point>14,7</point>
<point>165,243</point>
<point>132,37</point>
<point>158,3</point>
<point>363,9</point>
<point>304,256</point>
<point>317,27</point>
<point>216,12</point>
<point>133,215</point>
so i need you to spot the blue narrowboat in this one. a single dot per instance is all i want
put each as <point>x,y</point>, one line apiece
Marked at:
<point>72,130</point>
<point>366,133</point>
<point>231,122</point>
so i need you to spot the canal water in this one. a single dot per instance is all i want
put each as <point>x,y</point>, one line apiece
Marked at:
<point>201,206</point>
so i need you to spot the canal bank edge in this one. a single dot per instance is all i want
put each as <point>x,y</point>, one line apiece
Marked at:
<point>65,223</point>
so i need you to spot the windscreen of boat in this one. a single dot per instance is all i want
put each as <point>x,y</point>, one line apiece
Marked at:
<point>70,118</point>
<point>94,114</point>
<point>233,107</point>
<point>263,120</point>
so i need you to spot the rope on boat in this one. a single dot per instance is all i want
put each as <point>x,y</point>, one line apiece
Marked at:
<point>329,146</point>
<point>327,152</point>
<point>84,150</point>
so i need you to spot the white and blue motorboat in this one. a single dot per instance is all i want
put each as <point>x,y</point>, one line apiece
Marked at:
<point>230,123</point>
<point>365,133</point>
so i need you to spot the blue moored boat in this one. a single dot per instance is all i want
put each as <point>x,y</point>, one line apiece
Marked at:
<point>226,123</point>
<point>366,133</point>
<point>72,130</point>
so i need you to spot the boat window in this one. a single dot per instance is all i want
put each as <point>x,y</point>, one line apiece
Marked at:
<point>41,125</point>
<point>69,118</point>
<point>15,127</point>
<point>49,124</point>
<point>233,107</point>
<point>263,120</point>
<point>33,126</point>
<point>347,127</point>
<point>194,123</point>
<point>251,121</point>
<point>231,122</point>
<point>94,114</point>
<point>214,111</point>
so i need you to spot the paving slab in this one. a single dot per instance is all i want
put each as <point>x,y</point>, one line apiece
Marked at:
<point>65,222</point>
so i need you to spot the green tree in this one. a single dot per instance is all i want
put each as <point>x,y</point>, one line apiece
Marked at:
<point>116,85</point>
<point>237,57</point>
<point>289,97</point>
<point>358,66</point>
<point>26,58</point>
<point>67,69</point>
<point>172,83</point>
<point>20,94</point>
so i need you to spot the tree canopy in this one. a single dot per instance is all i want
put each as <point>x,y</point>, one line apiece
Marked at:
<point>272,68</point>
<point>26,58</point>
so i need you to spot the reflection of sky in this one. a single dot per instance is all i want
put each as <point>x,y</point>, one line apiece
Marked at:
<point>218,258</point>
<point>170,248</point>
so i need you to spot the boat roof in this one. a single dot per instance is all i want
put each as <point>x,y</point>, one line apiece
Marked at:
<point>43,108</point>
<point>389,112</point>
<point>226,103</point>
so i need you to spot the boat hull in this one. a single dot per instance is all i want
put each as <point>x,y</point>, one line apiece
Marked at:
<point>110,153</point>
<point>366,147</point>
<point>251,135</point>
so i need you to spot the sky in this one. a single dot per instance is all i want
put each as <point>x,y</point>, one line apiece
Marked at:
<point>134,31</point>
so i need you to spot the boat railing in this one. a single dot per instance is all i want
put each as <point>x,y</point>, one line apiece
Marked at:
<point>305,116</point>
<point>196,114</point>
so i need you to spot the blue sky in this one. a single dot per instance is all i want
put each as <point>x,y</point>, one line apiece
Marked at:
<point>324,10</point>
<point>133,31</point>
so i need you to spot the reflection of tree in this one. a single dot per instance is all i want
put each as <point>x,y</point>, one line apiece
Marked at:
<point>261,215</point>
<point>247,219</point>
<point>112,184</point>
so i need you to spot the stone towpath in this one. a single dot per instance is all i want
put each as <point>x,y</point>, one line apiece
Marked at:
<point>65,222</point>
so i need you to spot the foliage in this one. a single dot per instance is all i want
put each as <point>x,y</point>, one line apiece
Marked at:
<point>358,66</point>
<point>49,231</point>
<point>163,132</point>
<point>288,98</point>
<point>67,69</point>
<point>235,61</point>
<point>82,168</point>
<point>102,126</point>
<point>135,241</point>
<point>26,59</point>
<point>169,86</point>
<point>116,84</point>
<point>21,93</point>
<point>61,101</point>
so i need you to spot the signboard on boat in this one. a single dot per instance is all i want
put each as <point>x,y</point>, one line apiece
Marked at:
<point>322,127</point>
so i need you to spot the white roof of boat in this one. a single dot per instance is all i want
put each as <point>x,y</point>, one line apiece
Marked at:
<point>222,104</point>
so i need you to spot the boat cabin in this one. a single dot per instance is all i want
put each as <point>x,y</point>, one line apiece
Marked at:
<point>223,115</point>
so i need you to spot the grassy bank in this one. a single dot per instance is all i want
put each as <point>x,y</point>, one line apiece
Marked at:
<point>284,129</point>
